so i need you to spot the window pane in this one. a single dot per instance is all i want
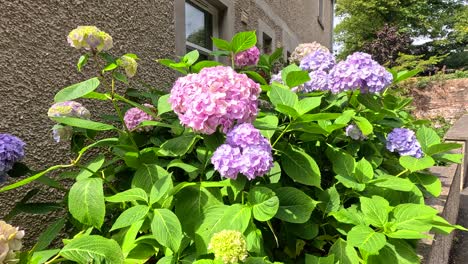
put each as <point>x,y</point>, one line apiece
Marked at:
<point>198,26</point>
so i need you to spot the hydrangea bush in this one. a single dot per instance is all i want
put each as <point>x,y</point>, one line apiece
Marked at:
<point>320,164</point>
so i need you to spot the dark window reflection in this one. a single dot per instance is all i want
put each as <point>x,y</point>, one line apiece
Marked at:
<point>198,25</point>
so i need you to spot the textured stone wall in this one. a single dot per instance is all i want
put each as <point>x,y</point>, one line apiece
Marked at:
<point>36,62</point>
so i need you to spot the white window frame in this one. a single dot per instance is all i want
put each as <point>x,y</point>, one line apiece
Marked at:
<point>211,9</point>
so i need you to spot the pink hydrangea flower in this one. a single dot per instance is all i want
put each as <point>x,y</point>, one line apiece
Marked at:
<point>247,57</point>
<point>134,116</point>
<point>215,97</point>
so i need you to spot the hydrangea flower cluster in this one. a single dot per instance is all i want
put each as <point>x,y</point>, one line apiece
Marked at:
<point>215,97</point>
<point>134,116</point>
<point>90,38</point>
<point>62,133</point>
<point>319,60</point>
<point>318,81</point>
<point>228,246</point>
<point>247,57</point>
<point>354,132</point>
<point>11,151</point>
<point>305,49</point>
<point>246,151</point>
<point>10,242</point>
<point>359,71</point>
<point>68,109</point>
<point>403,141</point>
<point>129,64</point>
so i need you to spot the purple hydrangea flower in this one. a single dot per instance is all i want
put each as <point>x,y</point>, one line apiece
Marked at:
<point>318,82</point>
<point>68,109</point>
<point>403,141</point>
<point>11,151</point>
<point>134,116</point>
<point>359,71</point>
<point>276,78</point>
<point>320,59</point>
<point>354,132</point>
<point>247,57</point>
<point>246,151</point>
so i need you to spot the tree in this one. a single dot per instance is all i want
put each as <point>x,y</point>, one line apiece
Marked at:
<point>362,19</point>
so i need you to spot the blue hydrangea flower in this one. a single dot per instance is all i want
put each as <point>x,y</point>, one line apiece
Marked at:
<point>11,151</point>
<point>246,151</point>
<point>354,132</point>
<point>403,141</point>
<point>359,71</point>
<point>320,59</point>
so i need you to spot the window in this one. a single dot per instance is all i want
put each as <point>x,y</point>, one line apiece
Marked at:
<point>201,20</point>
<point>267,44</point>
<point>320,15</point>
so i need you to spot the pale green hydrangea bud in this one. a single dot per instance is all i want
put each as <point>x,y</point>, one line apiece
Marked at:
<point>129,64</point>
<point>62,133</point>
<point>10,243</point>
<point>229,246</point>
<point>90,38</point>
<point>68,109</point>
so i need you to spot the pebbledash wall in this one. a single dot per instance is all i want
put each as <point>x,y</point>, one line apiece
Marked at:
<point>36,61</point>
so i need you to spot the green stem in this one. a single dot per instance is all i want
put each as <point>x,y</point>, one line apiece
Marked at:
<point>281,135</point>
<point>232,59</point>
<point>273,232</point>
<point>401,173</point>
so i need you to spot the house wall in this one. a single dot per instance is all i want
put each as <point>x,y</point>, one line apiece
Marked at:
<point>36,62</point>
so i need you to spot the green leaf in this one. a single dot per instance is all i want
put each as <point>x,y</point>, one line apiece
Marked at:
<point>254,239</point>
<point>350,182</point>
<point>160,189</point>
<point>120,77</point>
<point>407,234</point>
<point>255,76</point>
<point>427,137</point>
<point>279,95</point>
<point>133,194</point>
<point>180,145</point>
<point>167,229</point>
<point>130,216</point>
<point>311,259</point>
<point>86,202</point>
<point>30,179</point>
<point>211,223</point>
<point>147,175</point>
<point>287,110</point>
<point>300,166</point>
<point>82,61</point>
<point>365,238</point>
<point>77,90</point>
<point>375,210</point>
<point>49,235</point>
<point>191,57</point>
<point>414,164</point>
<point>40,257</point>
<point>97,96</point>
<point>87,124</point>
<point>290,68</point>
<point>364,125</point>
<point>404,215</point>
<point>307,104</point>
<point>343,163</point>
<point>393,183</point>
<point>243,41</point>
<point>163,104</point>
<point>110,66</point>
<point>349,216</point>
<point>267,125</point>
<point>403,75</point>
<point>296,78</point>
<point>370,101</point>
<point>221,44</point>
<point>93,249</point>
<point>204,64</point>
<point>344,253</point>
<point>442,147</point>
<point>307,230</point>
<point>295,205</point>
<point>330,200</point>
<point>93,166</point>
<point>364,171</point>
<point>128,242</point>
<point>236,217</point>
<point>431,183</point>
<point>264,202</point>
